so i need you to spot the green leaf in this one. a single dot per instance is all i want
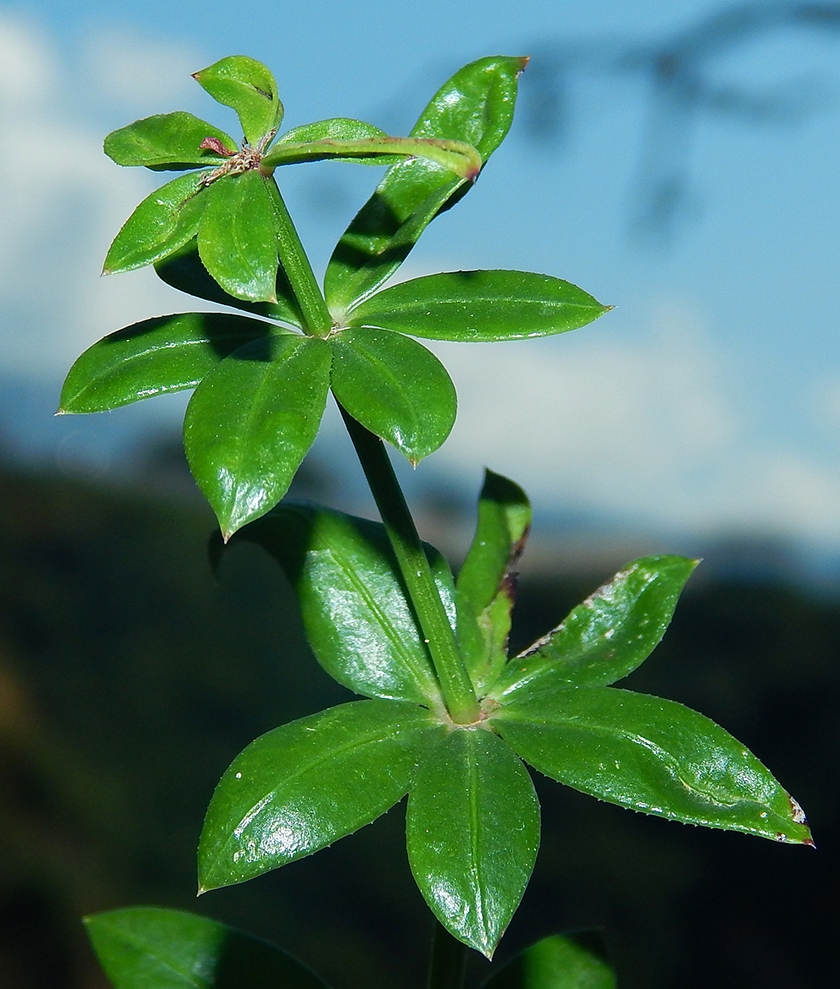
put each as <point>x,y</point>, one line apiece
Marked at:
<point>610,634</point>
<point>560,961</point>
<point>161,224</point>
<point>155,356</point>
<point>168,140</point>
<point>473,830</point>
<point>353,602</point>
<point>333,129</point>
<point>251,422</point>
<point>480,306</point>
<point>305,785</point>
<point>152,948</point>
<point>487,580</point>
<point>249,87</point>
<point>183,270</point>
<point>236,239</point>
<point>456,157</point>
<point>474,106</point>
<point>647,754</point>
<point>394,387</point>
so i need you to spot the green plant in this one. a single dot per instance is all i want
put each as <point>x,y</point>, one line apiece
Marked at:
<point>448,717</point>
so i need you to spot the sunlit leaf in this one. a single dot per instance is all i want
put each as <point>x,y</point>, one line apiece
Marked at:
<point>152,948</point>
<point>474,106</point>
<point>473,830</point>
<point>394,387</point>
<point>167,140</point>
<point>456,157</point>
<point>479,306</point>
<point>305,785</point>
<point>353,602</point>
<point>155,356</point>
<point>611,633</point>
<point>236,240</point>
<point>647,754</point>
<point>248,87</point>
<point>487,580</point>
<point>161,224</point>
<point>251,422</point>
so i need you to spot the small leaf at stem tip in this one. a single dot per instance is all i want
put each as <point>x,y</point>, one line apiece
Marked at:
<point>160,225</point>
<point>250,89</point>
<point>169,140</point>
<point>455,156</point>
<point>236,241</point>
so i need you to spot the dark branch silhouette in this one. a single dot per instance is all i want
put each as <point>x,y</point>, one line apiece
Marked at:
<point>682,75</point>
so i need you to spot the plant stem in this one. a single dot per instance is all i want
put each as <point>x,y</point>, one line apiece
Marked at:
<point>458,693</point>
<point>313,306</point>
<point>455,683</point>
<point>447,962</point>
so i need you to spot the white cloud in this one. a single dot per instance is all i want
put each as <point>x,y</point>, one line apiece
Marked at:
<point>141,72</point>
<point>646,429</point>
<point>63,202</point>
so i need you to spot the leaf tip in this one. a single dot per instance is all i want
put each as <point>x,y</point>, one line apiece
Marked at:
<point>523,63</point>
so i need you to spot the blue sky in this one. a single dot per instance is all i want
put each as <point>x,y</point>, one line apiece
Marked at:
<point>707,403</point>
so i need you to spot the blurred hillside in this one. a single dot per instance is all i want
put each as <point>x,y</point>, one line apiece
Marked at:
<point>130,676</point>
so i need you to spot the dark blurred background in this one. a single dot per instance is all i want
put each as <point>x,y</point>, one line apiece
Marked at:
<point>131,675</point>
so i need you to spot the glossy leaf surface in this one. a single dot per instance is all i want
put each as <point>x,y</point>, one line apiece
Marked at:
<point>561,961</point>
<point>152,948</point>
<point>183,270</point>
<point>611,633</point>
<point>456,157</point>
<point>476,106</point>
<point>155,356</point>
<point>353,602</point>
<point>251,422</point>
<point>162,223</point>
<point>487,580</point>
<point>170,140</point>
<point>303,786</point>
<point>248,87</point>
<point>650,755</point>
<point>480,306</point>
<point>236,240</point>
<point>473,830</point>
<point>394,387</point>
<point>333,129</point>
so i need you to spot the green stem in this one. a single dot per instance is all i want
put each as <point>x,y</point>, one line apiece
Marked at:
<point>458,692</point>
<point>448,961</point>
<point>298,270</point>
